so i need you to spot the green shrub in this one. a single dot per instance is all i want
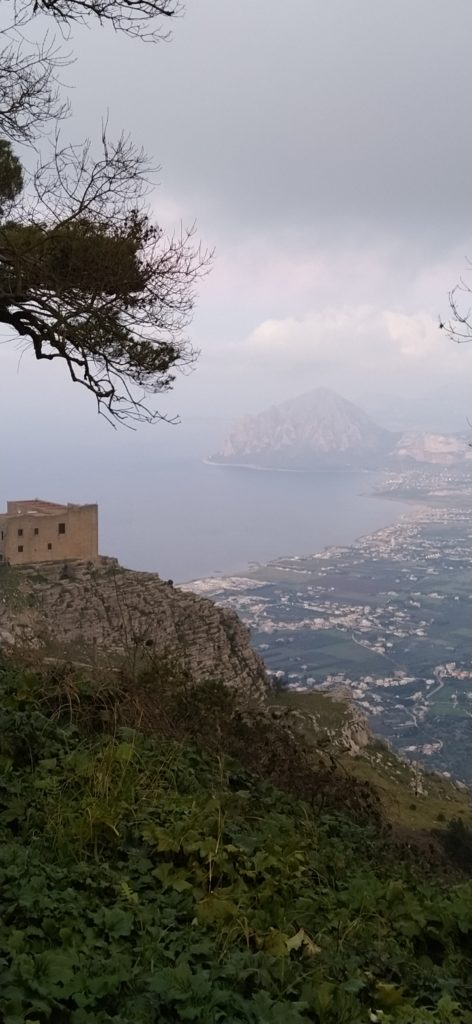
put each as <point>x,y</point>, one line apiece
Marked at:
<point>143,881</point>
<point>456,839</point>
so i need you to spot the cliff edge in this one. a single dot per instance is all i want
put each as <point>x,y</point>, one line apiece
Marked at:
<point>79,611</point>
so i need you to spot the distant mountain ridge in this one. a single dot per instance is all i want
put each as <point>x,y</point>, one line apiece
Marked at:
<point>323,430</point>
<point>319,428</point>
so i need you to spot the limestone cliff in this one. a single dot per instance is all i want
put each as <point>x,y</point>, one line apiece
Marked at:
<point>80,611</point>
<point>440,449</point>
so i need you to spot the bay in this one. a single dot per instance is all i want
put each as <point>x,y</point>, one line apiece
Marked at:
<point>189,520</point>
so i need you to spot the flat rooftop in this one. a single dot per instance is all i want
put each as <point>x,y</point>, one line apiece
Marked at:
<point>35,507</point>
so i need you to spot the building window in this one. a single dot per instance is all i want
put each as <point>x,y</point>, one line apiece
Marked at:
<point>62,527</point>
<point>49,547</point>
<point>20,547</point>
<point>20,533</point>
<point>36,531</point>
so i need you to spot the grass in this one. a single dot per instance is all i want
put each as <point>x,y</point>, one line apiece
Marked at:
<point>332,714</point>
<point>395,781</point>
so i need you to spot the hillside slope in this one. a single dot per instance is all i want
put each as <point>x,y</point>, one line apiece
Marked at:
<point>107,617</point>
<point>147,880</point>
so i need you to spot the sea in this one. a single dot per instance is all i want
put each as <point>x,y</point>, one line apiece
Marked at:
<point>189,519</point>
<point>164,509</point>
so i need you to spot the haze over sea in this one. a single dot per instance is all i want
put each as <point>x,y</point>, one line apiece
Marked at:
<point>217,520</point>
<point>163,509</point>
<point>186,519</point>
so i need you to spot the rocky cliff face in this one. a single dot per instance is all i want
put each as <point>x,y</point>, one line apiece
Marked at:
<point>440,449</point>
<point>79,611</point>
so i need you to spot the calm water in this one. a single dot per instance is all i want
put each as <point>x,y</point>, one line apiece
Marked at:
<point>188,520</point>
<point>163,509</point>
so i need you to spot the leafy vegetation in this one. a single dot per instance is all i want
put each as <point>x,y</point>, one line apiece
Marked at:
<point>143,880</point>
<point>457,841</point>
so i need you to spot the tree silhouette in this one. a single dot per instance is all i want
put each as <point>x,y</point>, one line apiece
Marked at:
<point>459,324</point>
<point>87,277</point>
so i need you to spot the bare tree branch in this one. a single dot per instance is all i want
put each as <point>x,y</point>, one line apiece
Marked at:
<point>29,89</point>
<point>87,278</point>
<point>139,18</point>
<point>459,325</point>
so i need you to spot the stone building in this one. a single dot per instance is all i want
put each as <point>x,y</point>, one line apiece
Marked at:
<point>42,531</point>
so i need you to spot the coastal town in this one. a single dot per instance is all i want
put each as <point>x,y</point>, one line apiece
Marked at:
<point>387,619</point>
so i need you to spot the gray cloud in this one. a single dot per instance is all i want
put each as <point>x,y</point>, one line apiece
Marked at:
<point>324,146</point>
<point>307,115</point>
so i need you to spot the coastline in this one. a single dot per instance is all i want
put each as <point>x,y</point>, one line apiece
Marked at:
<point>222,579</point>
<point>280,469</point>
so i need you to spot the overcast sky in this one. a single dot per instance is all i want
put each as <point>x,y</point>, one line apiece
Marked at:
<point>324,149</point>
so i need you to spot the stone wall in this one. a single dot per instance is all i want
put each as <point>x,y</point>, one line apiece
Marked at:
<point>63,532</point>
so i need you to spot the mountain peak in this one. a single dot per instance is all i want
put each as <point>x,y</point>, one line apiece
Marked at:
<point>317,429</point>
<point>320,401</point>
